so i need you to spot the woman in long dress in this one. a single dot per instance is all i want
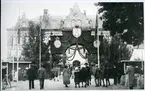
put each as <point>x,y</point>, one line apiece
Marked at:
<point>66,76</point>
<point>130,71</point>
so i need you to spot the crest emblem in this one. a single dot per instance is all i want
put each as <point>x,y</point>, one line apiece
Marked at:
<point>57,43</point>
<point>77,32</point>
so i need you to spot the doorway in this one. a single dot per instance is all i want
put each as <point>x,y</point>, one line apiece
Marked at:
<point>76,63</point>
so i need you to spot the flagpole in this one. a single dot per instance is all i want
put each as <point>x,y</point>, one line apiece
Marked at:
<point>18,45</point>
<point>13,55</point>
<point>98,43</point>
<point>18,55</point>
<point>97,39</point>
<point>98,47</point>
<point>40,45</point>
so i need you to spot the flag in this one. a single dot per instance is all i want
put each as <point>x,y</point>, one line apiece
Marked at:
<point>18,33</point>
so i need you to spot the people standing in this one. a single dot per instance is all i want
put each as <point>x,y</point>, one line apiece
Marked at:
<point>97,76</point>
<point>41,76</point>
<point>24,74</point>
<point>88,74</point>
<point>76,77</point>
<point>66,76</point>
<point>107,71</point>
<point>130,71</point>
<point>31,76</point>
<point>93,71</point>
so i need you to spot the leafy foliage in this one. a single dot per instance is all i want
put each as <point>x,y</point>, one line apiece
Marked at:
<point>31,48</point>
<point>115,51</point>
<point>118,17</point>
<point>56,58</point>
<point>92,58</point>
<point>119,50</point>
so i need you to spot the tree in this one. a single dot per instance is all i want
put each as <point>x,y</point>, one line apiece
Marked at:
<point>31,48</point>
<point>119,50</point>
<point>92,59</point>
<point>56,58</point>
<point>118,17</point>
<point>115,51</point>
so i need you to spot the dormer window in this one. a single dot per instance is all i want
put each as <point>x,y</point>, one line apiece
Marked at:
<point>23,24</point>
<point>73,23</point>
<point>79,22</point>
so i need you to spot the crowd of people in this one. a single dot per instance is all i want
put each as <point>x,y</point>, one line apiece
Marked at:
<point>81,74</point>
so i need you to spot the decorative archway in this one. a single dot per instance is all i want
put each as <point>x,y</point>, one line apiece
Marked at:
<point>75,29</point>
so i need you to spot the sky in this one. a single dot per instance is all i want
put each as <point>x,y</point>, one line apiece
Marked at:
<point>11,9</point>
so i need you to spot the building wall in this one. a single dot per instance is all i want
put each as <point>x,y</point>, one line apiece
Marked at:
<point>12,42</point>
<point>22,66</point>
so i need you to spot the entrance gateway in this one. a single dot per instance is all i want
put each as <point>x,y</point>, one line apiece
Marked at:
<point>76,31</point>
<point>76,55</point>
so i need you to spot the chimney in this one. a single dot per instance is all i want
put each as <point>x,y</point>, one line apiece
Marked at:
<point>46,11</point>
<point>23,15</point>
<point>85,12</point>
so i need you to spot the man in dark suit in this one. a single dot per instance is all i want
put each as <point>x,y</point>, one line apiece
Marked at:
<point>41,76</point>
<point>31,76</point>
<point>88,73</point>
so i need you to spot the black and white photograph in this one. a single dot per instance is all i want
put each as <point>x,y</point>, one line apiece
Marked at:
<point>72,45</point>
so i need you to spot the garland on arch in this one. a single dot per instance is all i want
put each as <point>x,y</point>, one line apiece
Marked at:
<point>67,40</point>
<point>73,56</point>
<point>81,54</point>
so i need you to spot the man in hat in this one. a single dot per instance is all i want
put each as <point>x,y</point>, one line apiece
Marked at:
<point>41,76</point>
<point>31,76</point>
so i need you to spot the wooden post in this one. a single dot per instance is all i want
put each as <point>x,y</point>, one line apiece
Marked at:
<point>7,69</point>
<point>124,68</point>
<point>29,65</point>
<point>18,63</point>
<point>13,65</point>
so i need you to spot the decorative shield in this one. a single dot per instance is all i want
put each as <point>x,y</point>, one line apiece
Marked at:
<point>57,43</point>
<point>95,43</point>
<point>77,32</point>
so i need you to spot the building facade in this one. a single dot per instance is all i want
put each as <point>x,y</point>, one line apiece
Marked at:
<point>56,26</point>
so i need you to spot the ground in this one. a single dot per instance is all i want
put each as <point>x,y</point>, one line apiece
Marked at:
<point>58,85</point>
